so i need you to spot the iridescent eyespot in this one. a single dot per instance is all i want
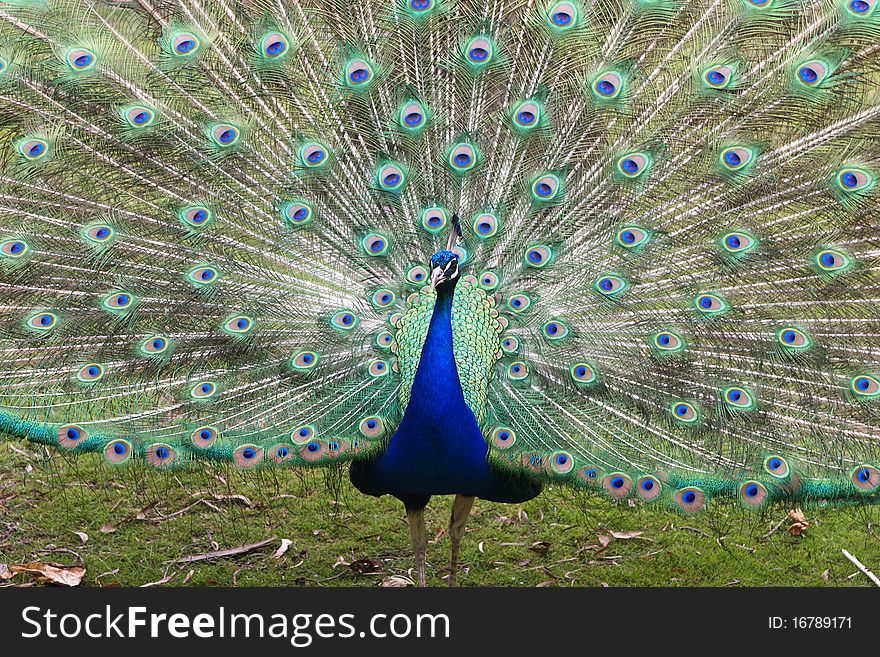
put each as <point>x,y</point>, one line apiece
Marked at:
<point>738,399</point>
<point>479,51</point>
<point>81,59</point>
<point>304,360</point>
<point>90,373</point>
<point>412,117</point>
<point>204,275</point>
<point>377,368</point>
<point>561,462</point>
<point>509,344</point>
<point>583,373</point>
<point>503,437</point>
<point>99,233</point>
<point>488,280</point>
<point>203,390</point>
<point>383,298</point>
<point>648,488</point>
<point>517,371</point>
<point>753,493</point>
<point>865,385</point>
<point>608,85</point>
<point>519,303</point>
<point>297,213</point>
<point>203,437</point>
<point>391,178</point>
<point>538,256</point>
<point>526,115</point>
<point>710,304</point>
<point>854,180</point>
<point>42,321</point>
<point>420,6</point>
<point>313,155</point>
<point>139,117</point>
<point>610,285</point>
<point>776,466</point>
<point>485,225</point>
<point>358,73</point>
<point>545,188</point>
<point>417,274</point>
<point>160,455</point>
<point>690,499</point>
<point>738,242</point>
<point>248,456</point>
<point>375,244</point>
<point>196,216</point>
<point>433,220</point>
<point>832,261</point>
<point>555,330</point>
<point>281,453</point>
<point>634,164</point>
<point>303,435</point>
<point>34,148</point>
<point>71,436</point>
<point>718,77</point>
<point>632,237</point>
<point>185,44</point>
<point>238,324</point>
<point>224,134</point>
<point>562,15</point>
<point>812,73</point>
<point>117,301</point>
<point>617,485</point>
<point>462,157</point>
<point>274,45</point>
<point>117,451</point>
<point>668,342</point>
<point>154,345</point>
<point>344,320</point>
<point>384,340</point>
<point>861,7</point>
<point>684,412</point>
<point>866,478</point>
<point>792,338</point>
<point>14,248</point>
<point>736,157</point>
<point>371,427</point>
<point>759,4</point>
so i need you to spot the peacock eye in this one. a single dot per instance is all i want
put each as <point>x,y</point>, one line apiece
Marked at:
<point>738,242</point>
<point>633,165</point>
<point>832,261</point>
<point>684,412</point>
<point>793,338</point>
<point>710,304</point>
<point>610,285</point>
<point>736,158</point>
<point>608,85</point>
<point>865,385</point>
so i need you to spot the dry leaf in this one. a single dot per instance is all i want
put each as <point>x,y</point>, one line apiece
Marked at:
<point>82,536</point>
<point>799,522</point>
<point>540,547</point>
<point>5,572</point>
<point>340,561</point>
<point>285,543</point>
<point>228,552</point>
<point>826,574</point>
<point>396,581</point>
<point>52,572</point>
<point>549,582</point>
<point>482,547</point>
<point>625,535</point>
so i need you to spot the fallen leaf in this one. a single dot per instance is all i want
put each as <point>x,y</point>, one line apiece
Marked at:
<point>540,547</point>
<point>799,522</point>
<point>5,572</point>
<point>227,552</point>
<point>340,561</point>
<point>826,574</point>
<point>285,543</point>
<point>549,582</point>
<point>82,536</point>
<point>52,572</point>
<point>482,547</point>
<point>396,581</point>
<point>625,535</point>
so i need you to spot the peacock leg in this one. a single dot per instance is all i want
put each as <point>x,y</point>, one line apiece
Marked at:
<point>415,518</point>
<point>461,508</point>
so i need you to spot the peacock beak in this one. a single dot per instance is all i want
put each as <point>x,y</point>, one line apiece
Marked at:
<point>438,275</point>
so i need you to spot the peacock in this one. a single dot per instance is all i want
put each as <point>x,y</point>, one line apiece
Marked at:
<point>470,247</point>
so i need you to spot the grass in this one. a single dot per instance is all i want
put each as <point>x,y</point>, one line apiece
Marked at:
<point>342,538</point>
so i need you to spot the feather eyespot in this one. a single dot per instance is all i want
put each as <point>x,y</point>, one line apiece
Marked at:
<point>377,368</point>
<point>555,330</point>
<point>33,148</point>
<point>80,59</point>
<point>488,281</point>
<point>463,157</point>
<point>371,427</point>
<point>274,45</point>
<point>203,275</point>
<point>383,298</point>
<point>118,301</point>
<point>375,244</point>
<point>538,256</point>
<point>545,188</point>
<point>690,499</point>
<point>154,345</point>
<point>854,180</point>
<point>238,325</point>
<point>71,436</point>
<point>391,178</point>
<point>738,242</point>
<point>861,7</point>
<point>42,321</point>
<point>313,155</point>
<point>865,386</point>
<point>225,135</point>
<point>583,374</point>
<point>519,303</point>
<point>281,453</point>
<point>203,390</point>
<point>433,220</point>
<point>160,455</point>
<point>526,116</point>
<point>866,478</point>
<point>358,73</point>
<point>561,462</point>
<point>203,437</point>
<point>503,437</point>
<point>632,237</point>
<point>736,158</point>
<point>509,344</point>
<point>610,285</point>
<point>344,320</point>
<point>832,261</point>
<point>14,248</point>
<point>812,73</point>
<point>304,360</point>
<point>384,340</point>
<point>139,117</point>
<point>710,304</point>
<point>479,52</point>
<point>248,456</point>
<point>420,6</point>
<point>303,435</point>
<point>118,452</point>
<point>684,412</point>
<point>563,15</point>
<point>196,216</point>
<point>718,77</point>
<point>753,493</point>
<point>793,338</point>
<point>90,373</point>
<point>617,485</point>
<point>633,165</point>
<point>99,233</point>
<point>738,399</point>
<point>648,488</point>
<point>517,371</point>
<point>776,466</point>
<point>417,274</point>
<point>412,117</point>
<point>185,44</point>
<point>608,85</point>
<point>668,342</point>
<point>485,225</point>
<point>297,213</point>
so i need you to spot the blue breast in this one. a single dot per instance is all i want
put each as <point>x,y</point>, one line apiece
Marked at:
<point>438,447</point>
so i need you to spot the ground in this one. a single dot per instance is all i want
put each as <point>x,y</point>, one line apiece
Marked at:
<point>129,527</point>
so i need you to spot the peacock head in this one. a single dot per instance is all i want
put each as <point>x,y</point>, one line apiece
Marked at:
<point>444,270</point>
